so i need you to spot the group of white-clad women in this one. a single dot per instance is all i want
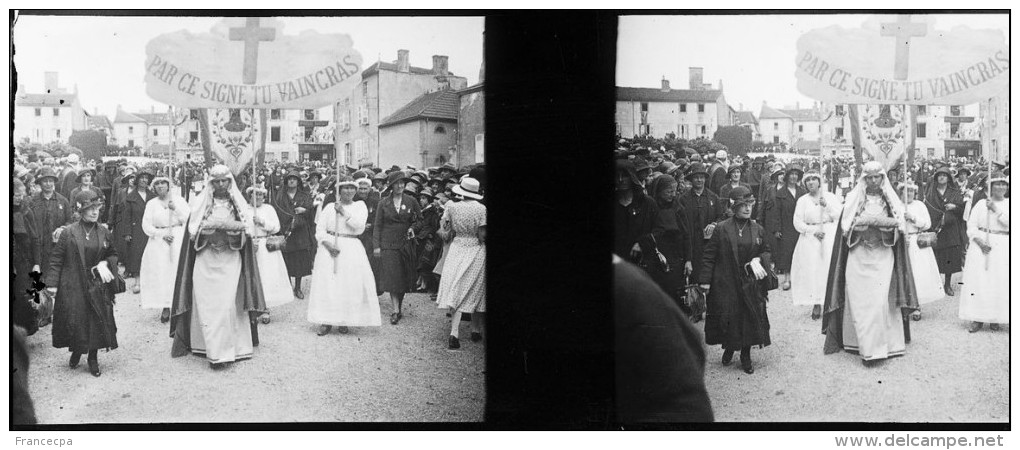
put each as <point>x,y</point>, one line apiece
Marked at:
<point>343,289</point>
<point>985,296</point>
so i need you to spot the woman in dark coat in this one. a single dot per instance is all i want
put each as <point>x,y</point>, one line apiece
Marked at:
<point>669,236</point>
<point>945,206</point>
<point>736,316</point>
<point>393,239</point>
<point>779,221</point>
<point>430,245</point>
<point>130,226</point>
<point>294,207</point>
<point>634,214</point>
<point>26,255</point>
<point>83,318</point>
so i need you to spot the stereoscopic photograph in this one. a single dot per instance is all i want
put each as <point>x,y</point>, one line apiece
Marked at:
<point>812,211</point>
<point>248,219</point>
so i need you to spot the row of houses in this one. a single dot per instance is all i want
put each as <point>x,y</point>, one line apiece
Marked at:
<point>398,114</point>
<point>821,129</point>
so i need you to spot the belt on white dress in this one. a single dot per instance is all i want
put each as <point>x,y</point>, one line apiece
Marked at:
<point>986,230</point>
<point>333,233</point>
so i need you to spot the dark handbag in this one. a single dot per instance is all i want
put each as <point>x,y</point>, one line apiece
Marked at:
<point>695,300</point>
<point>769,283</point>
<point>114,286</point>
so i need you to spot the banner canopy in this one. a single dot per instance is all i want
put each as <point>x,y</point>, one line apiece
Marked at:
<point>249,63</point>
<point>902,60</point>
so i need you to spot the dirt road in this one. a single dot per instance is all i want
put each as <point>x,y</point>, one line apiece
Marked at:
<point>947,374</point>
<point>389,373</point>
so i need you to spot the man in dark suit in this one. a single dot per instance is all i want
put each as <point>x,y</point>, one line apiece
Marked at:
<point>701,210</point>
<point>51,211</point>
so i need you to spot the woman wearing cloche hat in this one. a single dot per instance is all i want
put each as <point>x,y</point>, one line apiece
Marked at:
<point>734,264</point>
<point>462,284</point>
<point>985,296</point>
<point>83,262</point>
<point>392,240</point>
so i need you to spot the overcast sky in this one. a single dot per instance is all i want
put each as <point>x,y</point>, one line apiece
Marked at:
<point>752,54</point>
<point>105,56</point>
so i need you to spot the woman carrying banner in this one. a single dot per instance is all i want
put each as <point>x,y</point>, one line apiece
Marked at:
<point>985,296</point>
<point>342,293</point>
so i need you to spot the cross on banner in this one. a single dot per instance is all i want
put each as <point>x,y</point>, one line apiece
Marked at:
<point>251,34</point>
<point>903,29</point>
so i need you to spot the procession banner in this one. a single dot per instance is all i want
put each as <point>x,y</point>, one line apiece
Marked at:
<point>885,133</point>
<point>236,136</point>
<point>248,63</point>
<point>896,60</point>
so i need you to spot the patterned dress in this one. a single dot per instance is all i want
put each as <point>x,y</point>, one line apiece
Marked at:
<point>462,286</point>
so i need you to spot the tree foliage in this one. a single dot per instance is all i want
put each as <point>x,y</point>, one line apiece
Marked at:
<point>91,142</point>
<point>736,138</point>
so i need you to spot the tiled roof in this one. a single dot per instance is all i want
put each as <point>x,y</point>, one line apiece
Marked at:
<point>672,95</point>
<point>802,114</point>
<point>124,117</point>
<point>99,122</point>
<point>442,105</point>
<point>155,119</point>
<point>769,113</point>
<point>746,117</point>
<point>55,100</point>
<point>374,68</point>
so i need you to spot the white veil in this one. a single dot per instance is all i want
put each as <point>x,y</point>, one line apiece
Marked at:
<point>203,200</point>
<point>853,198</point>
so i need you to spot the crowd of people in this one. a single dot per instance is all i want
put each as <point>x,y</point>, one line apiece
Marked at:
<point>864,246</point>
<point>215,251</point>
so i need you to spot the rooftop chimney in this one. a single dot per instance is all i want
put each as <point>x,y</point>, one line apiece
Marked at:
<point>741,105</point>
<point>51,82</point>
<point>440,65</point>
<point>403,61</point>
<point>720,84</point>
<point>665,85</point>
<point>22,93</point>
<point>696,74</point>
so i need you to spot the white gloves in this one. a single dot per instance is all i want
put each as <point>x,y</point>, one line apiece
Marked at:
<point>104,272</point>
<point>759,271</point>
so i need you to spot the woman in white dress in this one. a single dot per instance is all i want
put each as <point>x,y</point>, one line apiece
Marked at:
<point>343,287</point>
<point>815,219</point>
<point>985,297</point>
<point>163,221</point>
<point>927,279</point>
<point>272,268</point>
<point>462,285</point>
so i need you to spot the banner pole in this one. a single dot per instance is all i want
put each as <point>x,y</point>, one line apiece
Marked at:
<point>988,200</point>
